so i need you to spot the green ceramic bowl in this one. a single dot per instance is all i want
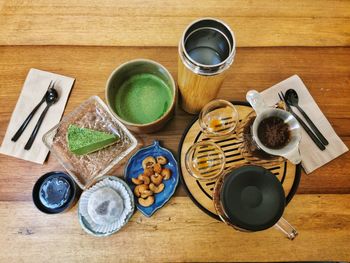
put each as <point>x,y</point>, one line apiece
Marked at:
<point>142,94</point>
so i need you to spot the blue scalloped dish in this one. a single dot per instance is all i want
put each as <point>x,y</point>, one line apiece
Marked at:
<point>134,168</point>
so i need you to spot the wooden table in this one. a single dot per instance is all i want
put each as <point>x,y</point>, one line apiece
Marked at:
<point>88,39</point>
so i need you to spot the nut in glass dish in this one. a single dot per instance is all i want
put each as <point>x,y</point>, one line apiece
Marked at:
<point>218,119</point>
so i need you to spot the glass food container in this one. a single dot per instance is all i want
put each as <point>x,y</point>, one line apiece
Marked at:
<point>92,114</point>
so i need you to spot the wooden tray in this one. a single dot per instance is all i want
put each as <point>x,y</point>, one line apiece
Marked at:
<point>201,192</point>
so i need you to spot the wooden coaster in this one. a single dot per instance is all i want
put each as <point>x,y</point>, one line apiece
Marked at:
<point>201,192</point>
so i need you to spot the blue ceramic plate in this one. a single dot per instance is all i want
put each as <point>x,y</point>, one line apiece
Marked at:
<point>134,168</point>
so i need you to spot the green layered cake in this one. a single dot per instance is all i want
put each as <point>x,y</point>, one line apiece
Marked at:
<point>83,141</point>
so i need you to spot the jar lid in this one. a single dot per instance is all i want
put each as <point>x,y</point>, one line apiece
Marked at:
<point>252,198</point>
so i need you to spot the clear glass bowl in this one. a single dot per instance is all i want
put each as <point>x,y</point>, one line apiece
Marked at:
<point>205,160</point>
<point>91,114</point>
<point>218,118</point>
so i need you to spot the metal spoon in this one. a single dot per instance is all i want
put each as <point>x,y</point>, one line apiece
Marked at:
<point>51,97</point>
<point>293,99</point>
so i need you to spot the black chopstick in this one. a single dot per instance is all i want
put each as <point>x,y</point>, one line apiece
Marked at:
<point>302,123</point>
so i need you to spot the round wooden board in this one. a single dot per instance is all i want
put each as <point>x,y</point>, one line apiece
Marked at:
<point>201,192</point>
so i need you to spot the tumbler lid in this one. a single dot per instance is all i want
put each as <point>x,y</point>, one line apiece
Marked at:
<point>207,46</point>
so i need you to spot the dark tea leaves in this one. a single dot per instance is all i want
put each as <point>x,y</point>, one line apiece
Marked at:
<point>273,132</point>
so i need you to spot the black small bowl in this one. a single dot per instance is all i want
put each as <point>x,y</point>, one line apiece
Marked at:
<point>70,200</point>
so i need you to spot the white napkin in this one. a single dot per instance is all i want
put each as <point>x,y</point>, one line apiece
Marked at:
<point>312,156</point>
<point>33,90</point>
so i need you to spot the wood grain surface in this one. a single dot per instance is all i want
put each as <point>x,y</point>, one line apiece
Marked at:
<point>161,23</point>
<point>325,71</point>
<point>87,39</point>
<point>176,233</point>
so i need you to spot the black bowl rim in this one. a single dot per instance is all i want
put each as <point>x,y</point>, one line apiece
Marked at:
<point>36,188</point>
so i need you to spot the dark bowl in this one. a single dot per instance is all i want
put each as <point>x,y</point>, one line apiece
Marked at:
<point>71,200</point>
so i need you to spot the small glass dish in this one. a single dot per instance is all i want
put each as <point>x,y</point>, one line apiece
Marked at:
<point>205,160</point>
<point>91,114</point>
<point>218,118</point>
